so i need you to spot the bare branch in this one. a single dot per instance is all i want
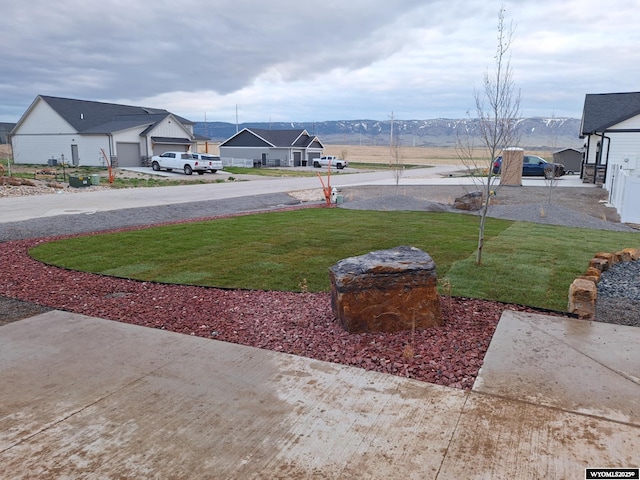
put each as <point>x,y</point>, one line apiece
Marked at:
<point>497,108</point>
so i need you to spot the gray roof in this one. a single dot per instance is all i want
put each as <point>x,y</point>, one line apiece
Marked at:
<point>278,138</point>
<point>568,149</point>
<point>603,110</point>
<point>98,117</point>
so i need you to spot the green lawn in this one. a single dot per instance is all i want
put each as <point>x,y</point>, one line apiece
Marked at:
<point>524,263</point>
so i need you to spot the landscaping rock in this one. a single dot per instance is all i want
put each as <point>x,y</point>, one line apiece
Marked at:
<point>582,298</point>
<point>471,201</point>
<point>386,291</point>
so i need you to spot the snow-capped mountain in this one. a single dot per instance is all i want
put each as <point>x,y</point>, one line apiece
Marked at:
<point>534,132</point>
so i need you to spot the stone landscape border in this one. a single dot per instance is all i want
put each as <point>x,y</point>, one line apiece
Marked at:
<point>583,292</point>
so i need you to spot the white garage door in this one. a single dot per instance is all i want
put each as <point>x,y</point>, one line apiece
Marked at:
<point>128,154</point>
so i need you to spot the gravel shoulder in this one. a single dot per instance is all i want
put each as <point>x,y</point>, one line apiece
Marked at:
<point>566,206</point>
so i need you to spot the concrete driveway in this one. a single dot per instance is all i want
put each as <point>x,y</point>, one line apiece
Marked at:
<point>83,397</point>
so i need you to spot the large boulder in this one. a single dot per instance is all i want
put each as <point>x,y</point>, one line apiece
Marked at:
<point>470,202</point>
<point>386,291</point>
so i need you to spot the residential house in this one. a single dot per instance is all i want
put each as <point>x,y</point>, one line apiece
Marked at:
<point>270,148</point>
<point>82,132</point>
<point>611,127</point>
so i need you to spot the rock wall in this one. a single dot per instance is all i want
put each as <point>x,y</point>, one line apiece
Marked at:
<point>583,292</point>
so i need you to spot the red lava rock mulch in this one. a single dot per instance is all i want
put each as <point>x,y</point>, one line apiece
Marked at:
<point>296,323</point>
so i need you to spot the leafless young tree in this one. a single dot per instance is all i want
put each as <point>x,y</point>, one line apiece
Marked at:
<point>551,181</point>
<point>397,160</point>
<point>498,109</point>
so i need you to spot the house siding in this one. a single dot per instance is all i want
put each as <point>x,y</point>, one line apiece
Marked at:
<point>89,150</point>
<point>617,143</point>
<point>623,172</point>
<point>44,120</point>
<point>631,123</point>
<point>169,128</point>
<point>27,151</point>
<point>241,156</point>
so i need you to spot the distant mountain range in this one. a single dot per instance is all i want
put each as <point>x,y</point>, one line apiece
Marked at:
<point>536,132</point>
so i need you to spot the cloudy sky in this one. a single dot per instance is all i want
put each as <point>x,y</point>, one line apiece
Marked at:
<point>292,60</point>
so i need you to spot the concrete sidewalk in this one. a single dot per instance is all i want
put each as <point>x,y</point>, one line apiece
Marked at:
<point>83,397</point>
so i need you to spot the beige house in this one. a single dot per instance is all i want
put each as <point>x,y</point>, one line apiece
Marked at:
<point>79,131</point>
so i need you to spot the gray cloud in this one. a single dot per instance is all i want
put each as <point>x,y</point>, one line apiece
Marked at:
<point>138,49</point>
<point>310,60</point>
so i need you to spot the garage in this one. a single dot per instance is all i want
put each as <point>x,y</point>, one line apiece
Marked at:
<point>166,144</point>
<point>128,154</point>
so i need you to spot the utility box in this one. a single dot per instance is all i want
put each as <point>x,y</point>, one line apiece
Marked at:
<point>78,182</point>
<point>94,179</point>
<point>512,160</point>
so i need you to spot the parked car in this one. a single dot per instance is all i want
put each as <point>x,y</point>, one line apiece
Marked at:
<point>330,160</point>
<point>212,162</point>
<point>179,161</point>
<point>534,166</point>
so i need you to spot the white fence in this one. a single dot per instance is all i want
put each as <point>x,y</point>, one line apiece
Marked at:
<point>624,191</point>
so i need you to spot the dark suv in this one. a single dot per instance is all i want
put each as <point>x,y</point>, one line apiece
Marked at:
<point>534,166</point>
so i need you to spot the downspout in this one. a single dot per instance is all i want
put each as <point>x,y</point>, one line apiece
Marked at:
<point>110,137</point>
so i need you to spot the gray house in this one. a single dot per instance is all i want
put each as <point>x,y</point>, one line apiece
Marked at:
<point>86,132</point>
<point>270,148</point>
<point>611,129</point>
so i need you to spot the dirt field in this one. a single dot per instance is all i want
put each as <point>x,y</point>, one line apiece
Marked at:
<point>5,151</point>
<point>409,155</point>
<point>376,154</point>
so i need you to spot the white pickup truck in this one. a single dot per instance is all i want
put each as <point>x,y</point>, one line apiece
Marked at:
<point>186,161</point>
<point>212,162</point>
<point>330,160</point>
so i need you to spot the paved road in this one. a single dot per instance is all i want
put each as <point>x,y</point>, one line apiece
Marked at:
<point>14,209</point>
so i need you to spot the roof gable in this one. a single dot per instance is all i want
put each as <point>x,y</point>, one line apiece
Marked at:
<point>278,138</point>
<point>316,144</point>
<point>604,110</point>
<point>253,137</point>
<point>246,138</point>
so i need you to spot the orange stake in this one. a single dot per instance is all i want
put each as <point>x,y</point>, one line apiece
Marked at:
<point>326,190</point>
<point>112,176</point>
